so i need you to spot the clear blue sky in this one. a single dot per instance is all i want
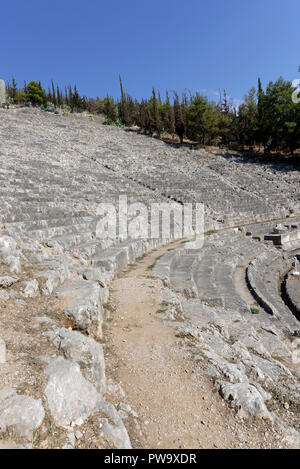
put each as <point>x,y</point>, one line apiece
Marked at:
<point>169,44</point>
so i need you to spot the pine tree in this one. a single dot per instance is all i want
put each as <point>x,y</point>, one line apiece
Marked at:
<point>35,93</point>
<point>225,105</point>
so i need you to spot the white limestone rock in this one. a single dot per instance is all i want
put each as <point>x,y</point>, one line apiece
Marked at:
<point>14,264</point>
<point>7,281</point>
<point>8,246</point>
<point>23,413</point>
<point>10,254</point>
<point>82,302</point>
<point>86,352</point>
<point>4,295</point>
<point>2,352</point>
<point>246,398</point>
<point>113,428</point>
<point>70,397</point>
<point>30,289</point>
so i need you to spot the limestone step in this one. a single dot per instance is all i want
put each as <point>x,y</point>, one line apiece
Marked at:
<point>91,249</point>
<point>162,268</point>
<point>181,272</point>
<point>291,246</point>
<point>46,223</point>
<point>39,213</point>
<point>115,259</point>
<point>66,235</point>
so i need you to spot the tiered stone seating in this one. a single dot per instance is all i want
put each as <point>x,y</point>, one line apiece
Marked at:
<point>53,198</point>
<point>292,293</point>
<point>209,272</point>
<point>54,172</point>
<point>263,274</point>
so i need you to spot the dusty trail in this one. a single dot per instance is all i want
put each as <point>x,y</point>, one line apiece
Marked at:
<point>176,404</point>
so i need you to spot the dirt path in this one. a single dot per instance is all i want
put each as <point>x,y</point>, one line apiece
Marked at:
<point>175,402</point>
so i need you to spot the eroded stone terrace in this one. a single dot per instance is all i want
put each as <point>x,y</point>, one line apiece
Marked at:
<point>54,171</point>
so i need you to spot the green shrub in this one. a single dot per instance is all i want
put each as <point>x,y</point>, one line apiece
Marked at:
<point>35,93</point>
<point>116,123</point>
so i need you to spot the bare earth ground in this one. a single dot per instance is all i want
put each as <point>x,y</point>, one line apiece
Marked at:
<point>176,404</point>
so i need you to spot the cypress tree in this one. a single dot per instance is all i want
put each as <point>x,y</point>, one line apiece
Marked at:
<point>109,108</point>
<point>25,90</point>
<point>66,99</point>
<point>70,94</point>
<point>145,117</point>
<point>76,98</point>
<point>179,118</point>
<point>260,114</point>
<point>169,116</point>
<point>159,97</point>
<point>123,110</point>
<point>14,89</point>
<point>54,101</point>
<point>157,124</point>
<point>59,96</point>
<point>49,95</point>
